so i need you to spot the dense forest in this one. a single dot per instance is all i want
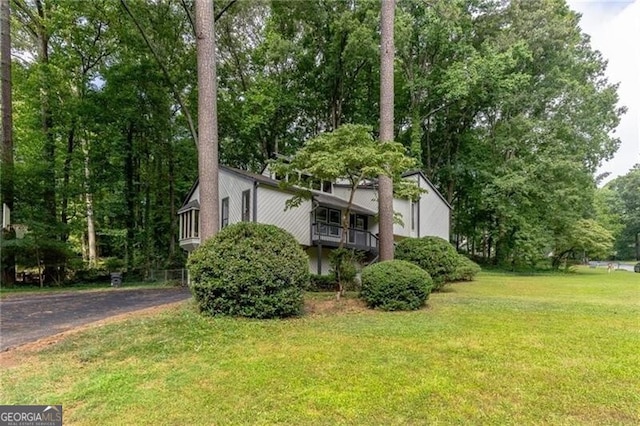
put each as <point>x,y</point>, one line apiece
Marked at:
<point>504,104</point>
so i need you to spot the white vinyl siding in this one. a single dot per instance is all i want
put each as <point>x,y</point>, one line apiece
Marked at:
<point>402,207</point>
<point>364,197</point>
<point>434,213</point>
<point>325,266</point>
<point>239,192</point>
<point>434,216</point>
<point>296,220</point>
<point>232,185</point>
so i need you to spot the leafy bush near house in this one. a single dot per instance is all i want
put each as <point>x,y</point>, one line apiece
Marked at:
<point>322,283</point>
<point>249,270</point>
<point>395,285</point>
<point>433,254</point>
<point>343,268</point>
<point>466,270</point>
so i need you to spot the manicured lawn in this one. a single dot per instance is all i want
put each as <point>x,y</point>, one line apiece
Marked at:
<point>506,349</point>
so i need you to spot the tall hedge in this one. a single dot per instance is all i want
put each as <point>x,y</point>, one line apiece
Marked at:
<point>395,285</point>
<point>249,270</point>
<point>433,254</point>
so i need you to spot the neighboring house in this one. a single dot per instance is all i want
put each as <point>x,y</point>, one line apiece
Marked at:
<point>250,197</point>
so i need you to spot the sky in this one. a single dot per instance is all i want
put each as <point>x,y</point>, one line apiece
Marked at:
<point>614,27</point>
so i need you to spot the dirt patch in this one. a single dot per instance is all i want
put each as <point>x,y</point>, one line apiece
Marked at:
<point>17,355</point>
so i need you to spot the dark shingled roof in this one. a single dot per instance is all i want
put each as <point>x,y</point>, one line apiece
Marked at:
<point>320,197</point>
<point>332,201</point>
<point>190,205</point>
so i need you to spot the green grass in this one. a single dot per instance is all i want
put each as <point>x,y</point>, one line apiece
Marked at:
<point>506,349</point>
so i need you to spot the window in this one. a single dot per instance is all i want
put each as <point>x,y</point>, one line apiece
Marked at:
<point>246,199</point>
<point>326,186</point>
<point>190,224</point>
<point>414,215</point>
<point>326,216</point>
<point>196,223</point>
<point>334,220</point>
<point>334,217</point>
<point>306,181</point>
<point>322,215</point>
<point>225,212</point>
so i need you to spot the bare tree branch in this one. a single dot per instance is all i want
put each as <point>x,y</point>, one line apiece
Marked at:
<point>224,9</point>
<point>189,16</point>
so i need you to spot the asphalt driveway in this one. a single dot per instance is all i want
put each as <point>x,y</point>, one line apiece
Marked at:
<point>27,318</point>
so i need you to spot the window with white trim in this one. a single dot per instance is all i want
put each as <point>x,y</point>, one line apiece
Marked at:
<point>326,216</point>
<point>246,205</point>
<point>414,215</point>
<point>224,216</point>
<point>190,224</point>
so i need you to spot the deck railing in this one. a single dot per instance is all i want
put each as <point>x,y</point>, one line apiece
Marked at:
<point>332,234</point>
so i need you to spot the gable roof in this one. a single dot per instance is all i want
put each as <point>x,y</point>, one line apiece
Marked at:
<point>421,173</point>
<point>190,205</point>
<point>320,197</point>
<point>371,185</point>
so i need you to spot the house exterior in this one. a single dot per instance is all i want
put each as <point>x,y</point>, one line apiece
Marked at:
<point>316,223</point>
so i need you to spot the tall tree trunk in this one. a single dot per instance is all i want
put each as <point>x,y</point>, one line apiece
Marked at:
<point>49,151</point>
<point>129,194</point>
<point>385,188</point>
<point>416,131</point>
<point>66,178</point>
<point>207,119</point>
<point>147,226</point>
<point>51,272</point>
<point>6,177</point>
<point>173,218</point>
<point>7,107</point>
<point>88,198</point>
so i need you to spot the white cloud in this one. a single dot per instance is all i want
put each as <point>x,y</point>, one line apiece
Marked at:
<point>614,27</point>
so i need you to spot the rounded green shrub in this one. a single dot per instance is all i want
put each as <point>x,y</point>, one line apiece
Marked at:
<point>249,270</point>
<point>320,283</point>
<point>466,270</point>
<point>395,285</point>
<point>433,254</point>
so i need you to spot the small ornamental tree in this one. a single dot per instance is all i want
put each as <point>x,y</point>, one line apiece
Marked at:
<point>249,270</point>
<point>349,153</point>
<point>586,237</point>
<point>433,254</point>
<point>395,285</point>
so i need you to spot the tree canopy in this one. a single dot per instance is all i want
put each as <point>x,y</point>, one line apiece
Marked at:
<point>503,104</point>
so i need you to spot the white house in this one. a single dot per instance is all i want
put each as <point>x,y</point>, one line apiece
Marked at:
<point>246,196</point>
